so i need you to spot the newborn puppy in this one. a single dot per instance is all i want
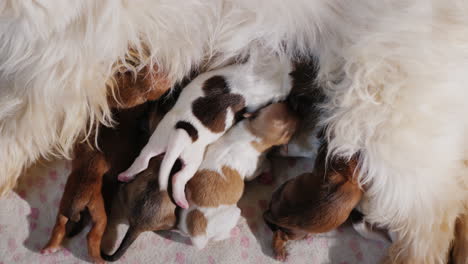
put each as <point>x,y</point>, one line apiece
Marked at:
<point>218,185</point>
<point>305,99</point>
<point>84,190</point>
<point>206,108</point>
<point>147,208</point>
<point>313,202</point>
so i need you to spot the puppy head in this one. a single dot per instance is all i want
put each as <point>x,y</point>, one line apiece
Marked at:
<point>316,202</point>
<point>130,90</point>
<point>274,124</point>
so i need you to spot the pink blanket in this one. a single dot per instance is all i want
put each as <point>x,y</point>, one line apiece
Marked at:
<point>28,215</point>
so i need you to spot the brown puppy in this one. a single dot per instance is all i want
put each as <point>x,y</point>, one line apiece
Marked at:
<point>118,147</point>
<point>147,208</point>
<point>313,202</point>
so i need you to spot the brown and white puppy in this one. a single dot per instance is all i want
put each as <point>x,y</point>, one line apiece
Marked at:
<point>205,110</point>
<point>218,184</point>
<point>147,208</point>
<point>118,147</point>
<point>313,202</point>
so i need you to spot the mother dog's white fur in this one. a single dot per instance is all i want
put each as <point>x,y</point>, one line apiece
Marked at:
<point>395,72</point>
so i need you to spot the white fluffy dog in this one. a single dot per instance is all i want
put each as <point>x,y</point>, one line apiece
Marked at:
<point>395,73</point>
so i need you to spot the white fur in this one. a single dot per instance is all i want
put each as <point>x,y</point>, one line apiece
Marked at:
<point>221,220</point>
<point>263,79</point>
<point>234,150</point>
<point>400,101</point>
<point>394,71</point>
<point>370,232</point>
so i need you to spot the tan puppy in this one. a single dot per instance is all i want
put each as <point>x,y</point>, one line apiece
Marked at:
<point>218,184</point>
<point>313,202</point>
<point>84,187</point>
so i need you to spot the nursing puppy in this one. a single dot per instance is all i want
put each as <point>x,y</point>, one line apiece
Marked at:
<point>313,202</point>
<point>206,108</point>
<point>399,105</point>
<point>84,190</point>
<point>147,208</point>
<point>305,99</point>
<point>218,185</point>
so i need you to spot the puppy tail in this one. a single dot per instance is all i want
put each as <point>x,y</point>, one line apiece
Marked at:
<point>177,143</point>
<point>130,237</point>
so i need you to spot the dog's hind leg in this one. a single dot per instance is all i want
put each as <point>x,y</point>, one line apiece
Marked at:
<point>180,179</point>
<point>98,215</point>
<point>140,163</point>
<point>58,233</point>
<point>279,245</point>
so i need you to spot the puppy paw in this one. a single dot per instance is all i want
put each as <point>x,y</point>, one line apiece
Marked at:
<point>181,202</point>
<point>281,255</point>
<point>124,177</point>
<point>98,260</point>
<point>49,250</point>
<point>179,194</point>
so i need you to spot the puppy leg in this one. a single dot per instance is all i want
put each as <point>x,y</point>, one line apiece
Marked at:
<point>58,234</point>
<point>98,214</point>
<point>279,245</point>
<point>140,163</point>
<point>180,179</point>
<point>460,246</point>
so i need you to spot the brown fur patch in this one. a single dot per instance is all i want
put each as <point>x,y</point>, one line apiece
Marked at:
<point>274,125</point>
<point>189,128</point>
<point>211,109</point>
<point>215,85</point>
<point>196,223</point>
<point>210,189</point>
<point>148,84</point>
<point>316,202</point>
